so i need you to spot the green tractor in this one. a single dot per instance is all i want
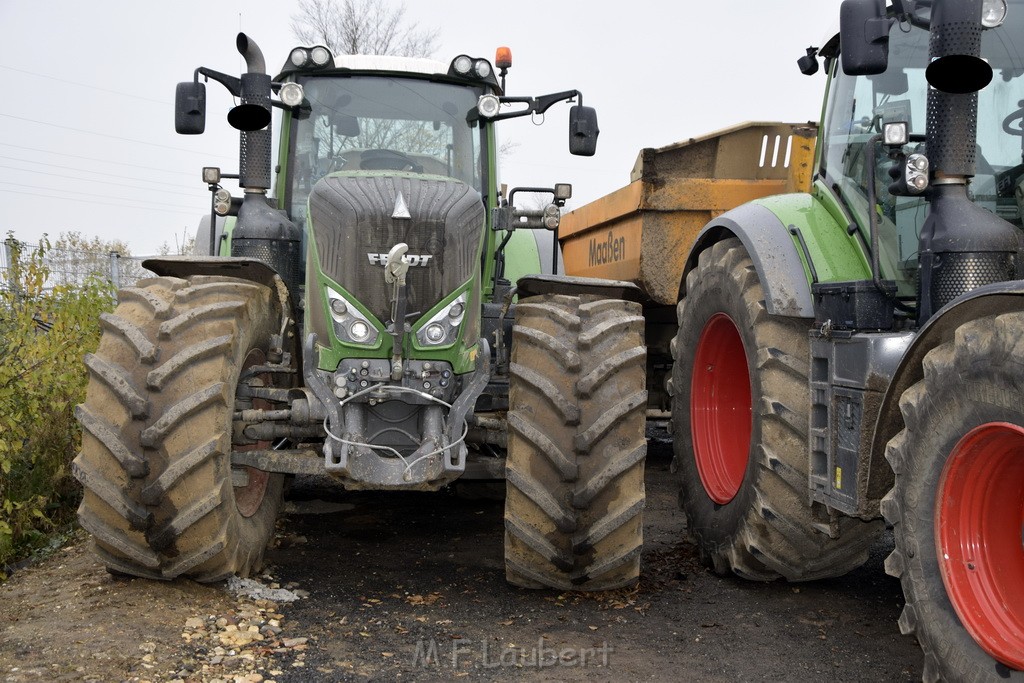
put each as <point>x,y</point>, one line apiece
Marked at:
<point>361,321</point>
<point>857,352</point>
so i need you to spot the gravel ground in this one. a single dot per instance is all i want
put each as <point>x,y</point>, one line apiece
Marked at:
<point>383,587</point>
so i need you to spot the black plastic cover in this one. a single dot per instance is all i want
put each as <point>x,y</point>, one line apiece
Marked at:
<point>854,305</point>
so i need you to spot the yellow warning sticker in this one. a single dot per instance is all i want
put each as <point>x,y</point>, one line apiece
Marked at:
<point>839,477</point>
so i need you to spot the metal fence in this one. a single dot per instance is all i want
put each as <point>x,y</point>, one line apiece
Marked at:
<point>74,267</point>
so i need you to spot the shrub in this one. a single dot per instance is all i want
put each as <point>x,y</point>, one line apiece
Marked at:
<point>44,332</point>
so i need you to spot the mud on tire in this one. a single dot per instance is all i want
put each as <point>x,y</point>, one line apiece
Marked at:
<point>959,469</point>
<point>575,470</point>
<point>157,431</point>
<point>761,526</point>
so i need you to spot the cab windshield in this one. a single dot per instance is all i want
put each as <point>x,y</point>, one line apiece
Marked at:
<point>858,105</point>
<point>379,123</point>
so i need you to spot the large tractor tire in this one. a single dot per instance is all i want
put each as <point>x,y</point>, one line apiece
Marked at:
<point>575,469</point>
<point>160,498</point>
<point>957,508</point>
<point>740,428</point>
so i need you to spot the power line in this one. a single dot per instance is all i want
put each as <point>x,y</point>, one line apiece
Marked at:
<point>121,178</point>
<point>104,161</point>
<point>91,194</point>
<point>89,201</point>
<point>85,85</point>
<point>104,135</point>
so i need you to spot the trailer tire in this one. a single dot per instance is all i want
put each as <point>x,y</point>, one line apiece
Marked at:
<point>159,495</point>
<point>740,437</point>
<point>575,469</point>
<point>956,504</point>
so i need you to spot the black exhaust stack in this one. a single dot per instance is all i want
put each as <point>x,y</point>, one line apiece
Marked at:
<point>962,245</point>
<point>262,231</point>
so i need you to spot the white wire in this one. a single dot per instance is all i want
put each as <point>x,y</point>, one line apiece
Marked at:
<point>397,390</point>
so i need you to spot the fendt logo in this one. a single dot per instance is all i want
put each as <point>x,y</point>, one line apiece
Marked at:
<point>415,260</point>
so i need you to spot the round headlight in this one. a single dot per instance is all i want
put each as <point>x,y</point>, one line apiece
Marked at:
<point>359,331</point>
<point>993,13</point>
<point>339,307</point>
<point>482,68</point>
<point>434,333</point>
<point>291,94</point>
<point>456,311</point>
<point>462,64</point>
<point>320,55</point>
<point>299,57</point>
<point>488,106</point>
<point>221,202</point>
<point>551,216</point>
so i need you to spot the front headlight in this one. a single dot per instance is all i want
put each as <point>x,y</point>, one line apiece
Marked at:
<point>993,13</point>
<point>488,106</point>
<point>350,325</point>
<point>443,327</point>
<point>291,94</point>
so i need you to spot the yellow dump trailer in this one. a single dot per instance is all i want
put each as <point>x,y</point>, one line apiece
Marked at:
<point>642,233</point>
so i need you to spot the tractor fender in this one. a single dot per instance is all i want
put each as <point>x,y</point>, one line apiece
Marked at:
<point>535,285</point>
<point>225,266</point>
<point>1001,297</point>
<point>771,248</point>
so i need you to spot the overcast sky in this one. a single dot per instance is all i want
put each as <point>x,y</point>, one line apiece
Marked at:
<point>87,139</point>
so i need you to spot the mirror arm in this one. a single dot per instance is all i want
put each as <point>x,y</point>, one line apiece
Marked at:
<point>537,105</point>
<point>233,84</point>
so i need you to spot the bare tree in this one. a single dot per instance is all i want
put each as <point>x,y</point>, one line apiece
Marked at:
<point>369,27</point>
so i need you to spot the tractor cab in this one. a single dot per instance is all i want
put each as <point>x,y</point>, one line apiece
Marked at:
<point>385,114</point>
<point>861,166</point>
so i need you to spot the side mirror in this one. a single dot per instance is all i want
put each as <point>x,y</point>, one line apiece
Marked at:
<point>190,108</point>
<point>864,37</point>
<point>583,131</point>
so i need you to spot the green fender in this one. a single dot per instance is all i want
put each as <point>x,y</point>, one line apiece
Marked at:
<point>771,230</point>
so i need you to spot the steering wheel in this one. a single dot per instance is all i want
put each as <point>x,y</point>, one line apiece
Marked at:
<point>1018,117</point>
<point>388,160</point>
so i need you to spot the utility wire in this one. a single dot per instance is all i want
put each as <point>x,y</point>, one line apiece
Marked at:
<point>85,85</point>
<point>120,178</point>
<point>104,161</point>
<point>146,202</point>
<point>104,135</point>
<point>88,201</point>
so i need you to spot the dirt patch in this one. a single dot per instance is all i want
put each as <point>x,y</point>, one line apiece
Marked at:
<point>68,619</point>
<point>411,587</point>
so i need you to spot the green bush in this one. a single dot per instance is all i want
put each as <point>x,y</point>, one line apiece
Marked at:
<point>44,332</point>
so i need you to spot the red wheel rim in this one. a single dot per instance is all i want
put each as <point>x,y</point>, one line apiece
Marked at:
<point>249,498</point>
<point>979,536</point>
<point>720,411</point>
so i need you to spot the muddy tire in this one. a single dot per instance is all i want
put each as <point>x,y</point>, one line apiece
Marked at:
<point>740,424</point>
<point>956,505</point>
<point>159,498</point>
<point>575,470</point>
